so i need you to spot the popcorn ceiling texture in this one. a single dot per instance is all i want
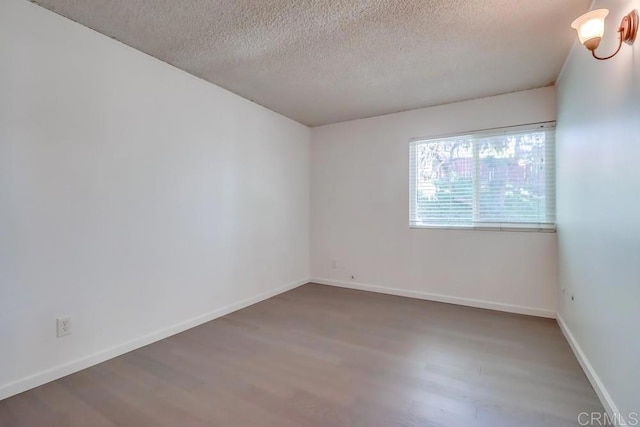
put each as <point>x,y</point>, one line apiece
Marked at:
<point>324,61</point>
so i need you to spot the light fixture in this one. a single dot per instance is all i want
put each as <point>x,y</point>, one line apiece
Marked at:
<point>590,28</point>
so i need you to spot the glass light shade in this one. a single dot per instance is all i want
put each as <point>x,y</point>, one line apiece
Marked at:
<point>590,25</point>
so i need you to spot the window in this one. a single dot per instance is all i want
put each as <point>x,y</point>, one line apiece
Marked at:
<point>496,179</point>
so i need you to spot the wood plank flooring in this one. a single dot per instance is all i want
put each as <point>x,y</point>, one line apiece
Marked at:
<point>324,356</point>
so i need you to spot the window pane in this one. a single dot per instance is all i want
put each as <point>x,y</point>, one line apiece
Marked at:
<point>511,176</point>
<point>445,182</point>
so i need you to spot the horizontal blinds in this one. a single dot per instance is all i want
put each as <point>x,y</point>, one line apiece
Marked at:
<point>501,178</point>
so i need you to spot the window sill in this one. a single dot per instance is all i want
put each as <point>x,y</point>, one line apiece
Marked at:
<point>512,228</point>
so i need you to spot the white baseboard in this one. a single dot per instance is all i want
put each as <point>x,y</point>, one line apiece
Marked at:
<point>51,374</point>
<point>509,308</point>
<point>594,379</point>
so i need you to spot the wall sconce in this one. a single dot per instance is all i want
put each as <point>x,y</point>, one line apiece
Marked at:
<point>590,28</point>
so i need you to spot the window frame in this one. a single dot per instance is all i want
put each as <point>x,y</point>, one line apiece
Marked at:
<point>487,226</point>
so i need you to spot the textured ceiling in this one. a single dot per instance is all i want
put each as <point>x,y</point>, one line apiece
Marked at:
<point>323,61</point>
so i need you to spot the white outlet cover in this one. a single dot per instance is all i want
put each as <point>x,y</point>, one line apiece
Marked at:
<point>63,326</point>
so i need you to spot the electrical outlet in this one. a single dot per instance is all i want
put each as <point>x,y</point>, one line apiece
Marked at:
<point>64,326</point>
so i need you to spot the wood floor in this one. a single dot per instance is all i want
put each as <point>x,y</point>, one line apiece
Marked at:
<point>323,356</point>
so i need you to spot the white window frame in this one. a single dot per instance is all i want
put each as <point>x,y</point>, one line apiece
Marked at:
<point>493,226</point>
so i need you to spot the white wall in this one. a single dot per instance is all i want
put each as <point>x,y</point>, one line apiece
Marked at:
<point>599,211</point>
<point>134,197</point>
<point>359,214</point>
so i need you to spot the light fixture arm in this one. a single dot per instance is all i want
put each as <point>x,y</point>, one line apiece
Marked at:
<point>593,51</point>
